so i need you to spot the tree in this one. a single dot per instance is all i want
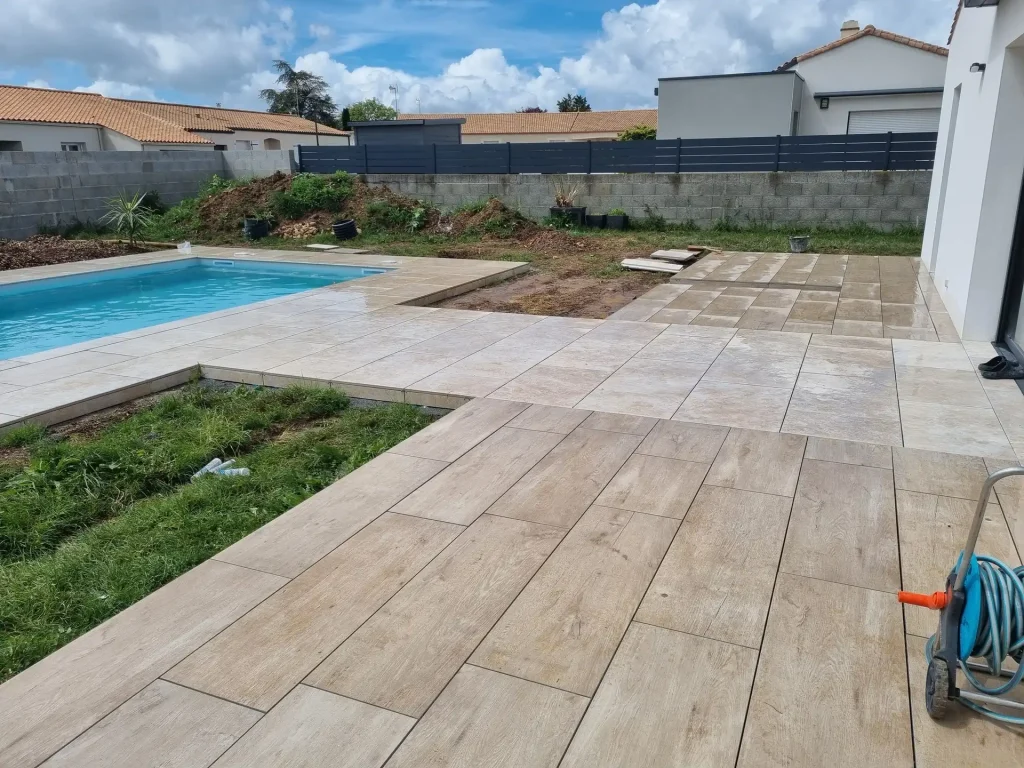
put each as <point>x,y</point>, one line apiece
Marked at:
<point>370,109</point>
<point>302,93</point>
<point>531,110</point>
<point>639,133</point>
<point>573,102</point>
<point>346,118</point>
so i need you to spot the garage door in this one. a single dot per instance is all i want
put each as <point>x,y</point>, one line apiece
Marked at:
<point>895,120</point>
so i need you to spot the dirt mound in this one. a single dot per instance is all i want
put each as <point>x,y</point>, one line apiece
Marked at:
<point>494,219</point>
<point>40,250</point>
<point>223,212</point>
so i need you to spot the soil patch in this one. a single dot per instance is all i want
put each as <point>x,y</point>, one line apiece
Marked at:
<point>40,250</point>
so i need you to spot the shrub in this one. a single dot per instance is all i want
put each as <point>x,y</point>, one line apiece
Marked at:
<point>312,192</point>
<point>151,202</point>
<point>652,221</point>
<point>128,215</point>
<point>617,212</point>
<point>382,216</point>
<point>639,133</point>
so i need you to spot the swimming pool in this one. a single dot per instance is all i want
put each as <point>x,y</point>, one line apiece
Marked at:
<point>36,315</point>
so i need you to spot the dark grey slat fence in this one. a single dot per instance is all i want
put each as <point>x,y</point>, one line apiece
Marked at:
<point>867,152</point>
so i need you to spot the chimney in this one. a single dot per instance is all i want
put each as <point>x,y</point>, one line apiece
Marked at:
<point>849,28</point>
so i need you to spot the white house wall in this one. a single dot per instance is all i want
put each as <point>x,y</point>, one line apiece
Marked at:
<point>727,106</point>
<point>42,137</point>
<point>969,229</point>
<point>287,140</point>
<point>867,64</point>
<point>537,138</point>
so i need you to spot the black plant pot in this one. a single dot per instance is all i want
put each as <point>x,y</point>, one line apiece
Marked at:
<point>596,221</point>
<point>345,230</point>
<point>575,214</point>
<point>616,222</point>
<point>255,229</point>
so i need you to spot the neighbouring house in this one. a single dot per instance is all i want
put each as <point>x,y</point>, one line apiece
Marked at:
<point>409,131</point>
<point>974,235</point>
<point>867,81</point>
<point>541,127</point>
<point>45,120</point>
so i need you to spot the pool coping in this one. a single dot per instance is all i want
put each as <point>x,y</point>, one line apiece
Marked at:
<point>408,281</point>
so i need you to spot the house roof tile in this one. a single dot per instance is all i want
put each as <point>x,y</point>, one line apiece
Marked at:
<point>868,31</point>
<point>145,121</point>
<point>611,121</point>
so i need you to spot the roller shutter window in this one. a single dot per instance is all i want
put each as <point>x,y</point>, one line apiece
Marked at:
<point>895,120</point>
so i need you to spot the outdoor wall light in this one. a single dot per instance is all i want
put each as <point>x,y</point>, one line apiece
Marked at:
<point>977,67</point>
<point>823,103</point>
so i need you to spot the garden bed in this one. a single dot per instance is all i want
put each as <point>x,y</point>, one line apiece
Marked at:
<point>99,514</point>
<point>41,250</point>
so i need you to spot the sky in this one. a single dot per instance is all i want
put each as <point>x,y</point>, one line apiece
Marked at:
<point>443,55</point>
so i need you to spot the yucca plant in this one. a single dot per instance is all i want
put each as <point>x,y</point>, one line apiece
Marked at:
<point>566,192</point>
<point>128,215</point>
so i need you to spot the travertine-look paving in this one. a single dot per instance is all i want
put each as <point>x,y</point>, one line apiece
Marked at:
<point>531,585</point>
<point>872,296</point>
<point>643,544</point>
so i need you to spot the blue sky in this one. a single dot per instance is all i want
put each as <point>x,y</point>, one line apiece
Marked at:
<point>445,55</point>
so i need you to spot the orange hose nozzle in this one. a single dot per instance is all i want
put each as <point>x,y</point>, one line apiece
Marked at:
<point>936,601</point>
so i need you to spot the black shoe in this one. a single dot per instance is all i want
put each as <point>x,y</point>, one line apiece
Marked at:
<point>993,364</point>
<point>1006,371</point>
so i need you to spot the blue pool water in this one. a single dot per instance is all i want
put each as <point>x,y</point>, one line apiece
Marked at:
<point>44,314</point>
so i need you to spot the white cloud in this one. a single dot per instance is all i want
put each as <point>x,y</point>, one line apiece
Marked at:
<point>637,45</point>
<point>39,84</point>
<point>119,90</point>
<point>221,51</point>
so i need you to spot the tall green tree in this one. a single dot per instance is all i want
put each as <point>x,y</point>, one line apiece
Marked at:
<point>531,109</point>
<point>301,93</point>
<point>573,102</point>
<point>346,118</point>
<point>370,109</point>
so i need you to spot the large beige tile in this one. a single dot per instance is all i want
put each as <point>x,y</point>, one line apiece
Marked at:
<point>813,311</point>
<point>301,536</point>
<point>925,354</point>
<point>617,422</point>
<point>717,578</point>
<point>856,396</point>
<point>764,318</point>
<point>755,367</point>
<point>943,474</point>
<point>845,452</point>
<point>563,629</point>
<point>955,429</point>
<point>669,699</point>
<point>776,298</point>
<point>859,310</point>
<point>906,316</point>
<point>691,349</point>
<point>484,718</point>
<point>70,690</point>
<point>258,659</point>
<point>769,342</point>
<point>551,385</point>
<point>165,362</point>
<point>560,488</point>
<point>646,376</point>
<point>861,290</point>
<point>456,433</point>
<point>762,462</point>
<point>632,404</point>
<point>59,393</point>
<point>550,418</point>
<point>681,316</point>
<point>843,527</point>
<point>933,532</point>
<point>408,651</point>
<point>838,361</point>
<point>831,686</point>
<point>163,725</point>
<point>863,328</point>
<point>311,728</point>
<point>696,298</point>
<point>268,356</point>
<point>836,339</point>
<point>963,737</point>
<point>735,405</point>
<point>684,441</point>
<point>463,491</point>
<point>940,386</point>
<point>843,425</point>
<point>654,485</point>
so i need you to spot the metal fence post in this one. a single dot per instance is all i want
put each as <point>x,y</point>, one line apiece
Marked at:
<point>508,156</point>
<point>888,150</point>
<point>433,160</point>
<point>679,154</point>
<point>778,150</point>
<point>590,156</point>
<point>366,158</point>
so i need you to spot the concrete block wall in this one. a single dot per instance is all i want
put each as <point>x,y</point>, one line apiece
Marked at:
<point>880,199</point>
<point>59,188</point>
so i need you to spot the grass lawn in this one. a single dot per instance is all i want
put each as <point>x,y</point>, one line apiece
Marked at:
<point>94,521</point>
